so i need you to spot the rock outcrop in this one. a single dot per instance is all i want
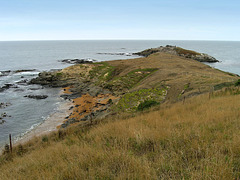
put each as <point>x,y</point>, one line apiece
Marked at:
<point>7,86</point>
<point>51,79</point>
<point>88,108</point>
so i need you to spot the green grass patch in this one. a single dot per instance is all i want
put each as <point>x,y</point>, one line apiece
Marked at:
<point>237,83</point>
<point>130,102</point>
<point>186,52</point>
<point>147,104</point>
<point>227,91</point>
<point>186,86</point>
<point>129,80</point>
<point>223,85</point>
<point>59,74</point>
<point>147,52</point>
<point>102,72</point>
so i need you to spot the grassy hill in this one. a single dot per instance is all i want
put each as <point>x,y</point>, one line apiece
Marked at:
<point>195,140</point>
<point>183,136</point>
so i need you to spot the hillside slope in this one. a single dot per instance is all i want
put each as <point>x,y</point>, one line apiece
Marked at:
<point>195,140</point>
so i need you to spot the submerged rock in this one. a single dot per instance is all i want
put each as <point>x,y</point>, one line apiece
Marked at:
<point>36,96</point>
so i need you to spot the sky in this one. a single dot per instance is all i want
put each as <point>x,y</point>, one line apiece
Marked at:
<point>119,19</point>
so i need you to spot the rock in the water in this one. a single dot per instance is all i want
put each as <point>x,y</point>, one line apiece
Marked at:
<point>2,121</point>
<point>4,105</point>
<point>23,82</point>
<point>52,79</point>
<point>24,70</point>
<point>7,86</point>
<point>118,54</point>
<point>44,78</point>
<point>36,96</point>
<point>78,61</point>
<point>5,73</point>
<point>34,89</point>
<point>2,116</point>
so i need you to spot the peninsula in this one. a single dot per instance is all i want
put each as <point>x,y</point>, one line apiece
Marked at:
<point>163,75</point>
<point>165,115</point>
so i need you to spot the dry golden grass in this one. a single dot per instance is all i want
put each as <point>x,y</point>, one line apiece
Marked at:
<point>199,139</point>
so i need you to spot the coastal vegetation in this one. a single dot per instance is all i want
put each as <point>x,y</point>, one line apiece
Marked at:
<point>195,140</point>
<point>163,116</point>
<point>141,99</point>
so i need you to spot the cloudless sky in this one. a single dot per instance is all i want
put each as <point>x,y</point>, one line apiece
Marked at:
<point>120,19</point>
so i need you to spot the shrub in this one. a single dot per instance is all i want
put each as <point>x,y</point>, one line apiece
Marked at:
<point>44,139</point>
<point>59,74</point>
<point>110,101</point>
<point>146,104</point>
<point>237,83</point>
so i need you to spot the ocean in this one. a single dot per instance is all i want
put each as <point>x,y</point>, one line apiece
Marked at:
<point>22,60</point>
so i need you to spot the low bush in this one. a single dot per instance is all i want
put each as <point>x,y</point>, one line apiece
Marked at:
<point>147,104</point>
<point>237,83</point>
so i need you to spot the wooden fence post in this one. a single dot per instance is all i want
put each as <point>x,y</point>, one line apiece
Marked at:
<point>10,142</point>
<point>184,99</point>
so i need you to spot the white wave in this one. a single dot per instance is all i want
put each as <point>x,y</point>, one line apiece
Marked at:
<point>21,136</point>
<point>32,73</point>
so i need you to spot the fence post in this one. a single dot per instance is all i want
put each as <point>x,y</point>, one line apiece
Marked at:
<point>184,99</point>
<point>10,142</point>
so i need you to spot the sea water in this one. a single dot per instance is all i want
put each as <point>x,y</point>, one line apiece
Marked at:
<point>25,114</point>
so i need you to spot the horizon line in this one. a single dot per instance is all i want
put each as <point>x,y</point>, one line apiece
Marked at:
<point>117,40</point>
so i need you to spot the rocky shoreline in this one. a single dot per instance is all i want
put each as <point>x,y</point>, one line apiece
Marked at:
<point>89,100</point>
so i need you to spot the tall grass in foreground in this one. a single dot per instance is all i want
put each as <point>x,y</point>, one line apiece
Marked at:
<point>199,139</point>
